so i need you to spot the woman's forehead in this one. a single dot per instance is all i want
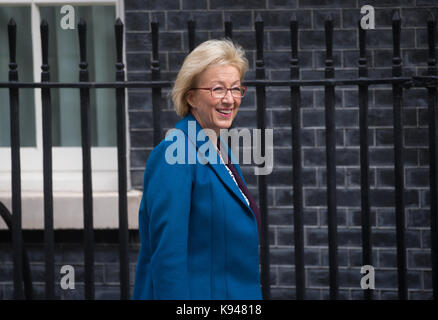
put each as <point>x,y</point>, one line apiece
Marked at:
<point>220,73</point>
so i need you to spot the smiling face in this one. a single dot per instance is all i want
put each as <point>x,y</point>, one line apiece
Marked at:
<point>214,113</point>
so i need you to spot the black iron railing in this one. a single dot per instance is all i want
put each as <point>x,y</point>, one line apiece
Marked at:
<point>398,82</point>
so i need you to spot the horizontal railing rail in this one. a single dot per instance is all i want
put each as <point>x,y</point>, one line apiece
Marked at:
<point>406,82</point>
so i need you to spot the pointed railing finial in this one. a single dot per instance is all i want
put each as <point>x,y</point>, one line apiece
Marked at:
<point>328,22</point>
<point>12,35</point>
<point>293,17</point>
<point>118,30</point>
<point>82,32</point>
<point>228,26</point>
<point>44,29</point>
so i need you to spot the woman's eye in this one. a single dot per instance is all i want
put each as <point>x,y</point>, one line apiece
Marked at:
<point>236,89</point>
<point>218,89</point>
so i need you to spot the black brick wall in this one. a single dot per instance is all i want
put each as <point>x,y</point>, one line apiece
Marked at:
<point>69,250</point>
<point>210,16</point>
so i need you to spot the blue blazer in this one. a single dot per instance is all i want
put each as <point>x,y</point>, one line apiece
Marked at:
<point>199,237</point>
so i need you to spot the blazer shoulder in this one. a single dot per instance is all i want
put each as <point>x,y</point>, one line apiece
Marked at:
<point>170,155</point>
<point>174,141</point>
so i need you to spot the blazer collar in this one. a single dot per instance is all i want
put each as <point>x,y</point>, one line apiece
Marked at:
<point>191,127</point>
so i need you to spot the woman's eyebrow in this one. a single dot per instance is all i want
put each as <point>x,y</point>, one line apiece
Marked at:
<point>221,82</point>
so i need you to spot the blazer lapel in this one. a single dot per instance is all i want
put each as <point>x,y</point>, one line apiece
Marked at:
<point>190,126</point>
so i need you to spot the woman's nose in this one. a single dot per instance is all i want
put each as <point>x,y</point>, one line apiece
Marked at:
<point>228,96</point>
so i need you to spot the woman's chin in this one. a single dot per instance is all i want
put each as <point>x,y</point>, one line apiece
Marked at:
<point>224,124</point>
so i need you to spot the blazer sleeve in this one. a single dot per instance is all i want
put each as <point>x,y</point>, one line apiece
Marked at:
<point>167,195</point>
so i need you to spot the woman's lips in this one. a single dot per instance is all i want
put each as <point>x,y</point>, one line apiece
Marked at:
<point>226,113</point>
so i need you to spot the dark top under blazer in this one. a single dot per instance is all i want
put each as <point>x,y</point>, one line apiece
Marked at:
<point>199,237</point>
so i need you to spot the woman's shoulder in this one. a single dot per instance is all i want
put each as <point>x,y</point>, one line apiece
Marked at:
<point>175,137</point>
<point>164,164</point>
<point>175,143</point>
<point>174,154</point>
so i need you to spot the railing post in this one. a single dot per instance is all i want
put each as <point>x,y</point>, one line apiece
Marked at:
<point>364,158</point>
<point>122,167</point>
<point>261,119</point>
<point>17,239</point>
<point>86,164</point>
<point>433,153</point>
<point>47,166</point>
<point>398,160</point>
<point>296,159</point>
<point>330,135</point>
<point>156,91</point>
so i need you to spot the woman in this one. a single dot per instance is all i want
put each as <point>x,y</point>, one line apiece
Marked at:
<point>198,223</point>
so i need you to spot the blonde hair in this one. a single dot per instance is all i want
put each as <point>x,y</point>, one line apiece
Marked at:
<point>211,52</point>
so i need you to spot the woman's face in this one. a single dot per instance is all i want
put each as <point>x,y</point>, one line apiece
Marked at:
<point>214,113</point>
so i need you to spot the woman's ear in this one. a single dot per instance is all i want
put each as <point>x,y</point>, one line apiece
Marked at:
<point>190,98</point>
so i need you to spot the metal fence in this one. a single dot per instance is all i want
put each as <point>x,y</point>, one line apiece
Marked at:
<point>362,81</point>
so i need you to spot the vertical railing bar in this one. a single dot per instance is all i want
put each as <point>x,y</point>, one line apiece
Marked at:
<point>296,160</point>
<point>228,26</point>
<point>47,166</point>
<point>433,152</point>
<point>122,166</point>
<point>329,96</point>
<point>17,238</point>
<point>191,25</point>
<point>261,119</point>
<point>364,158</point>
<point>86,164</point>
<point>398,160</point>
<point>156,91</point>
